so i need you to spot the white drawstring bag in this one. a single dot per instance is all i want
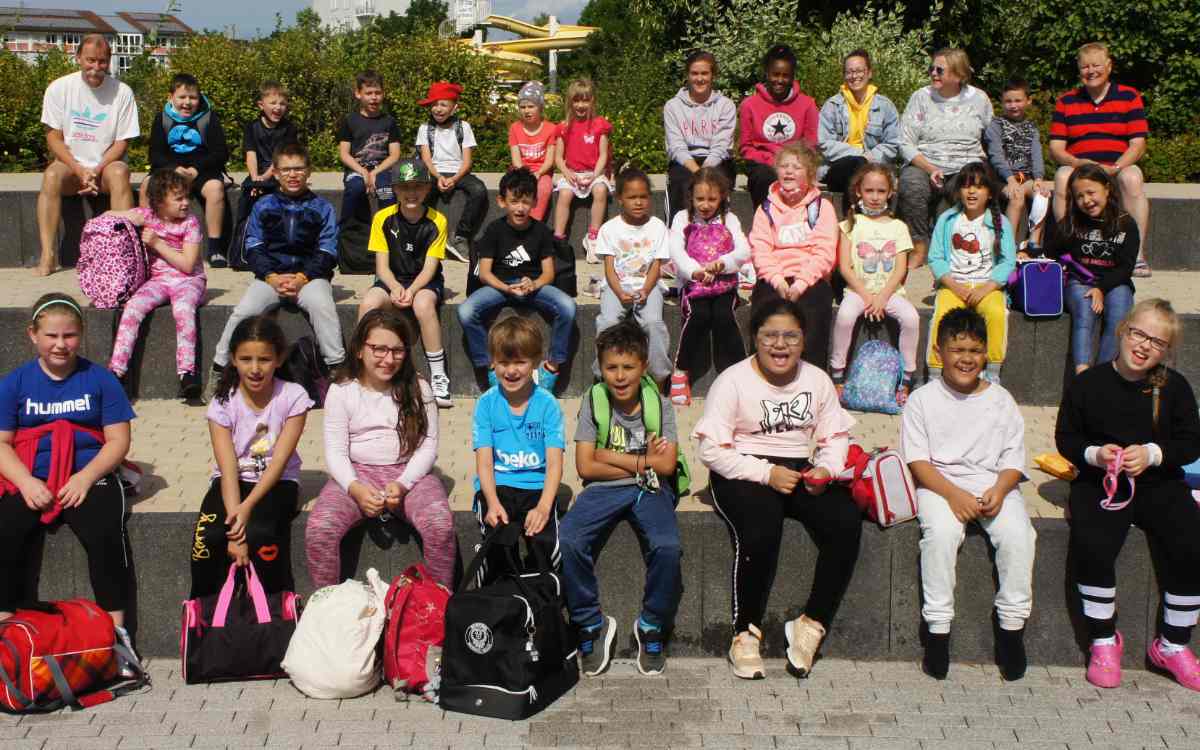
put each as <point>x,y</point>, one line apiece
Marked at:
<point>334,651</point>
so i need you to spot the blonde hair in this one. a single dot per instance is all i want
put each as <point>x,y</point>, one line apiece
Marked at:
<point>516,337</point>
<point>582,88</point>
<point>1158,376</point>
<point>805,153</point>
<point>1093,47</point>
<point>957,62</point>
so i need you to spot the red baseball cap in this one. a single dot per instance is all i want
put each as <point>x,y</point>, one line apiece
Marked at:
<point>441,90</point>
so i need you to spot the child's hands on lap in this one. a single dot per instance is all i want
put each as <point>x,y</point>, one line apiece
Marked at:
<point>74,492</point>
<point>816,481</point>
<point>393,496</point>
<point>535,520</point>
<point>993,499</point>
<point>397,297</point>
<point>369,499</point>
<point>1107,454</point>
<point>496,515</point>
<point>239,553</point>
<point>36,494</point>
<point>236,522</point>
<point>1136,460</point>
<point>1097,298</point>
<point>783,480</point>
<point>965,506</point>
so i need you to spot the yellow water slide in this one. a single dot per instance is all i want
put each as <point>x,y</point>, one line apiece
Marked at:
<point>517,56</point>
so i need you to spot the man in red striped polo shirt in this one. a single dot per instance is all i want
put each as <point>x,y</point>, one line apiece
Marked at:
<point>1105,123</point>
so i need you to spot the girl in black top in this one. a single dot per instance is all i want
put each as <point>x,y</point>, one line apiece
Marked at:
<point>1135,419</point>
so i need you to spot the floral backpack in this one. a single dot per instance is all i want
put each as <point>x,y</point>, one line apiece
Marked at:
<point>112,261</point>
<point>706,243</point>
<point>873,379</point>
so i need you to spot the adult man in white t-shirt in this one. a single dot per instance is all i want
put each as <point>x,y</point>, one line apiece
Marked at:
<point>89,118</point>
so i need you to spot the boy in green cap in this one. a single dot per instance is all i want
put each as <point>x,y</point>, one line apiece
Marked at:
<point>409,241</point>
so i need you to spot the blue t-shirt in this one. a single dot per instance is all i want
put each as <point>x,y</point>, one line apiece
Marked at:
<point>90,396</point>
<point>518,443</point>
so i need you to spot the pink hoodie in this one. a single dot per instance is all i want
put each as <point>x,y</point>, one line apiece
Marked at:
<point>784,246</point>
<point>766,125</point>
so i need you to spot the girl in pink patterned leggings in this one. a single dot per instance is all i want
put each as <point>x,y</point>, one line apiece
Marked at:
<point>172,238</point>
<point>381,434</point>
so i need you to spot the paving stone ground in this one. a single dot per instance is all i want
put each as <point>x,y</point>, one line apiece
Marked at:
<point>849,705</point>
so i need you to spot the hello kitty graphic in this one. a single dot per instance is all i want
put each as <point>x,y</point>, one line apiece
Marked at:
<point>968,257</point>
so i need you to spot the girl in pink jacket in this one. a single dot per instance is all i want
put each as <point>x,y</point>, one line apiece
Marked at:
<point>793,246</point>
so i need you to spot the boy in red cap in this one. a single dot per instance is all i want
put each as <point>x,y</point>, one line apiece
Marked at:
<point>446,143</point>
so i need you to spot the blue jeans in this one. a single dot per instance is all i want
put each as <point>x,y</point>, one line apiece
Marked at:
<point>475,314</point>
<point>354,195</point>
<point>585,530</point>
<point>1117,303</point>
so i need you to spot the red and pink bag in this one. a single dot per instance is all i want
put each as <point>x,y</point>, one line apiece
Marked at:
<point>881,485</point>
<point>416,627</point>
<point>112,261</point>
<point>242,633</point>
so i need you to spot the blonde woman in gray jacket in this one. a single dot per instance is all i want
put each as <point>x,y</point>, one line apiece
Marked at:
<point>699,123</point>
<point>857,125</point>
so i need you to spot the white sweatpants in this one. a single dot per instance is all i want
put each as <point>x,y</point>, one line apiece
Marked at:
<point>942,534</point>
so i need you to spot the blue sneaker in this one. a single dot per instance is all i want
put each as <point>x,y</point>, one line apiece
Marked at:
<point>652,652</point>
<point>547,379</point>
<point>491,378</point>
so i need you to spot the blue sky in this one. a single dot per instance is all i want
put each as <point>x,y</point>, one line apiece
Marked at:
<point>249,17</point>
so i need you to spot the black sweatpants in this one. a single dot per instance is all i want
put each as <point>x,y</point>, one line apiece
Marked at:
<point>1168,514</point>
<point>837,179</point>
<point>754,514</point>
<point>474,209</point>
<point>678,179</point>
<point>817,303</point>
<point>709,335</point>
<point>98,523</point>
<point>758,181</point>
<point>268,537</point>
<point>517,503</point>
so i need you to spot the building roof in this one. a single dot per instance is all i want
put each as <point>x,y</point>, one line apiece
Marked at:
<point>25,18</point>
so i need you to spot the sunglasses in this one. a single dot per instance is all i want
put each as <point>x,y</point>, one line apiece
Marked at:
<point>936,70</point>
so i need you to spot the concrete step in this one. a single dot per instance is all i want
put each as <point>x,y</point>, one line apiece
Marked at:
<point>1174,224</point>
<point>1037,367</point>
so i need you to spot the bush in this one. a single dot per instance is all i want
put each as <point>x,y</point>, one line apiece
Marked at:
<point>22,137</point>
<point>1172,159</point>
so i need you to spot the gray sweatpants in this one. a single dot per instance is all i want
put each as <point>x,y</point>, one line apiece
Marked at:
<point>316,299</point>
<point>649,317</point>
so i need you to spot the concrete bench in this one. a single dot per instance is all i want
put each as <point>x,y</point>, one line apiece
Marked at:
<point>878,619</point>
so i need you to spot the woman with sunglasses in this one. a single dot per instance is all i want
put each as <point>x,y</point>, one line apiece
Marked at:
<point>941,132</point>
<point>772,436</point>
<point>381,440</point>
<point>1130,427</point>
<point>858,125</point>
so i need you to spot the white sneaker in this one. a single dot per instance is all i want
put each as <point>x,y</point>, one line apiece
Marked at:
<point>459,248</point>
<point>440,385</point>
<point>593,287</point>
<point>589,247</point>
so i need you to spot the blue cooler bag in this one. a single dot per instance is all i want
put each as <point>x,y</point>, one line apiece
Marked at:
<point>873,378</point>
<point>1036,288</point>
<point>1191,475</point>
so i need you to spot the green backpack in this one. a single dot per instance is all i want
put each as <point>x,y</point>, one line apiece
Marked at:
<point>651,418</point>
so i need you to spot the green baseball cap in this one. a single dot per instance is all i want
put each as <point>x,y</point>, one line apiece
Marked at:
<point>410,170</point>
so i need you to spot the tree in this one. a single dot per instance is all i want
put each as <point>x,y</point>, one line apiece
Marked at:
<point>541,19</point>
<point>421,19</point>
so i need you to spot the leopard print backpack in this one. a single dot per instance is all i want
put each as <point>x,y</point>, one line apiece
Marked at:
<point>112,261</point>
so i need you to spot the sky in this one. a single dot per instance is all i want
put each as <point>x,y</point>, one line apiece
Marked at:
<point>253,19</point>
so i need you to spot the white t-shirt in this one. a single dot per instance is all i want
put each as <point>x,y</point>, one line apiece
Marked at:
<point>633,248</point>
<point>972,250</point>
<point>968,439</point>
<point>91,119</point>
<point>447,156</point>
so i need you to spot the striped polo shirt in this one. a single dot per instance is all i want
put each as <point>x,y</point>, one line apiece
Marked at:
<point>1099,131</point>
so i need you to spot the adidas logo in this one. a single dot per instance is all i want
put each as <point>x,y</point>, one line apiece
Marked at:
<point>517,256</point>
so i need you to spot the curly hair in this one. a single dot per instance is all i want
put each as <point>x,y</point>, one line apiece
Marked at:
<point>161,183</point>
<point>716,180</point>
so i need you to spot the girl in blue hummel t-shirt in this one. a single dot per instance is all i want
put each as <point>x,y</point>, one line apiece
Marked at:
<point>55,405</point>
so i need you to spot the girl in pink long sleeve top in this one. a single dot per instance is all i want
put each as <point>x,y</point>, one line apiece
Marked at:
<point>793,246</point>
<point>772,436</point>
<point>381,437</point>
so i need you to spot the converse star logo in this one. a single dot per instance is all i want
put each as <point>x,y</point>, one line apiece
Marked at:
<point>779,127</point>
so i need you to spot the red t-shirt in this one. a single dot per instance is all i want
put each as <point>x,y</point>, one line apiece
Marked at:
<point>581,143</point>
<point>532,147</point>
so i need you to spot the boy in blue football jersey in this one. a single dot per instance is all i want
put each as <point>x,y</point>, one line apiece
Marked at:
<point>517,436</point>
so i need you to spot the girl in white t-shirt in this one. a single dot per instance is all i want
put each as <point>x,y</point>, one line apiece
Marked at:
<point>873,259</point>
<point>971,255</point>
<point>255,421</point>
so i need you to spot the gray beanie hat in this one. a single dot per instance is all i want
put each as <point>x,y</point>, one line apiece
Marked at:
<point>533,91</point>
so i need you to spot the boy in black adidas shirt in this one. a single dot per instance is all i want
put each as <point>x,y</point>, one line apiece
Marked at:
<point>409,242</point>
<point>516,268</point>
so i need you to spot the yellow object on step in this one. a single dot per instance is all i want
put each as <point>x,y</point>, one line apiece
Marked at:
<point>1057,465</point>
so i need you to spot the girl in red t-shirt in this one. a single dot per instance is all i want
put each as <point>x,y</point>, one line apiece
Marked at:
<point>532,140</point>
<point>582,155</point>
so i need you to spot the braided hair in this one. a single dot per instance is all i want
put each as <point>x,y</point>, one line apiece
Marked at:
<point>979,173</point>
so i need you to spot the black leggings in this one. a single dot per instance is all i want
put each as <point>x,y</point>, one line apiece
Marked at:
<point>758,181</point>
<point>678,180</point>
<point>817,303</point>
<point>754,514</point>
<point>268,536</point>
<point>99,524</point>
<point>709,335</point>
<point>1168,514</point>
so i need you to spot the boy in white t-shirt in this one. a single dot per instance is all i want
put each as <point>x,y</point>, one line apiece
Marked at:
<point>446,143</point>
<point>633,246</point>
<point>964,440</point>
<point>90,117</point>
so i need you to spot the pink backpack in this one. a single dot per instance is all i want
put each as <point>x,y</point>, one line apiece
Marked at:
<point>416,628</point>
<point>112,261</point>
<point>706,243</point>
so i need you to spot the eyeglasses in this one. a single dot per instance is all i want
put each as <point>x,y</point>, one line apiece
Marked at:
<point>856,72</point>
<point>1138,336</point>
<point>792,338</point>
<point>380,352</point>
<point>936,70</point>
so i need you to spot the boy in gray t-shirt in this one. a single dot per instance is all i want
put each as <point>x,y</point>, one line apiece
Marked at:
<point>628,470</point>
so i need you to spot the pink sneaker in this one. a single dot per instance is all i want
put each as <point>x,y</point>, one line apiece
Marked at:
<point>1104,666</point>
<point>1182,665</point>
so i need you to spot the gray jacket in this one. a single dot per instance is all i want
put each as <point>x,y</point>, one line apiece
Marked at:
<point>882,139</point>
<point>703,132</point>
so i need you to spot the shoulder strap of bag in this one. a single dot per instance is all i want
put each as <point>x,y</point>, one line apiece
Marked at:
<point>814,213</point>
<point>508,535</point>
<point>13,690</point>
<point>601,413</point>
<point>651,406</point>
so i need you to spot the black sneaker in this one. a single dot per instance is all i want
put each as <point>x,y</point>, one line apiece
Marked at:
<point>459,248</point>
<point>218,260</point>
<point>596,646</point>
<point>936,663</point>
<point>1010,652</point>
<point>652,651</point>
<point>189,386</point>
